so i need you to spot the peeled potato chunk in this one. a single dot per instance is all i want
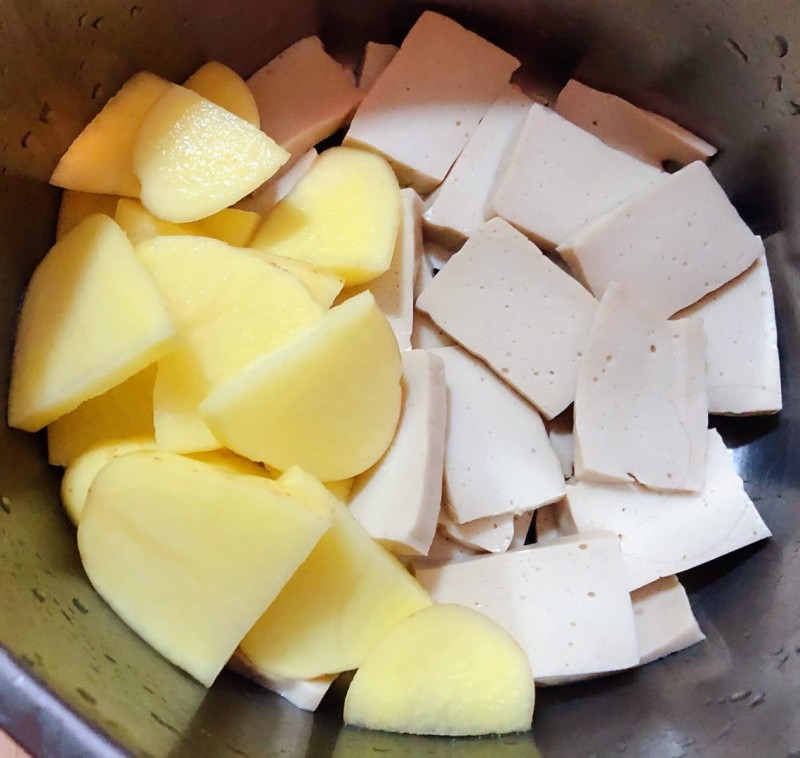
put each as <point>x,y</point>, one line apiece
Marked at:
<point>77,206</point>
<point>223,86</point>
<point>328,401</point>
<point>101,157</point>
<point>231,225</point>
<point>341,602</point>
<point>92,317</point>
<point>446,670</point>
<point>323,285</point>
<point>140,225</point>
<point>194,158</point>
<point>190,555</point>
<point>81,472</point>
<point>343,215</point>
<point>124,412</point>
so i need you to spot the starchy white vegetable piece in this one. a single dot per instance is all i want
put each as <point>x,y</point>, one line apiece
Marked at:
<point>497,456</point>
<point>560,434</point>
<point>558,176</point>
<point>305,694</point>
<point>566,603</point>
<point>124,412</point>
<point>670,245</point>
<point>269,194</point>
<point>394,290</point>
<point>459,209</point>
<point>640,407</point>
<point>492,534</point>
<point>446,670</point>
<point>425,334</point>
<point>92,317</point>
<point>743,368</point>
<point>664,620</point>
<point>620,124</point>
<point>421,111</point>
<point>377,57</point>
<point>503,300</point>
<point>397,500</point>
<point>194,158</point>
<point>340,603</point>
<point>666,533</point>
<point>190,555</point>
<point>303,96</point>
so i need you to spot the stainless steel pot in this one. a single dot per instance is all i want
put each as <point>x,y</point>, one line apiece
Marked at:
<point>75,681</point>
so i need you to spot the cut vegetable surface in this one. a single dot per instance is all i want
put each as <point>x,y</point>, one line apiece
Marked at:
<point>194,158</point>
<point>641,409</point>
<point>342,601</point>
<point>77,206</point>
<point>558,176</point>
<point>742,364</point>
<point>189,555</point>
<point>223,86</point>
<point>643,134</point>
<point>669,246</point>
<point>82,471</point>
<point>497,456</point>
<point>416,113</point>
<point>446,670</point>
<point>92,317</point>
<point>502,299</point>
<point>269,194</point>
<point>303,96</point>
<point>101,157</point>
<point>230,308</point>
<point>343,215</point>
<point>397,500</point>
<point>566,603</point>
<point>124,412</point>
<point>328,402</point>
<point>666,533</point>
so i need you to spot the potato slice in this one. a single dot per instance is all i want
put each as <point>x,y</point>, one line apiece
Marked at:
<point>124,412</point>
<point>343,215</point>
<point>101,157</point>
<point>230,225</point>
<point>229,461</point>
<point>189,555</point>
<point>194,158</point>
<point>77,206</point>
<point>230,308</point>
<point>341,489</point>
<point>92,317</point>
<point>323,285</point>
<point>140,225</point>
<point>223,86</point>
<point>341,602</point>
<point>446,670</point>
<point>81,472</point>
<point>329,401</point>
